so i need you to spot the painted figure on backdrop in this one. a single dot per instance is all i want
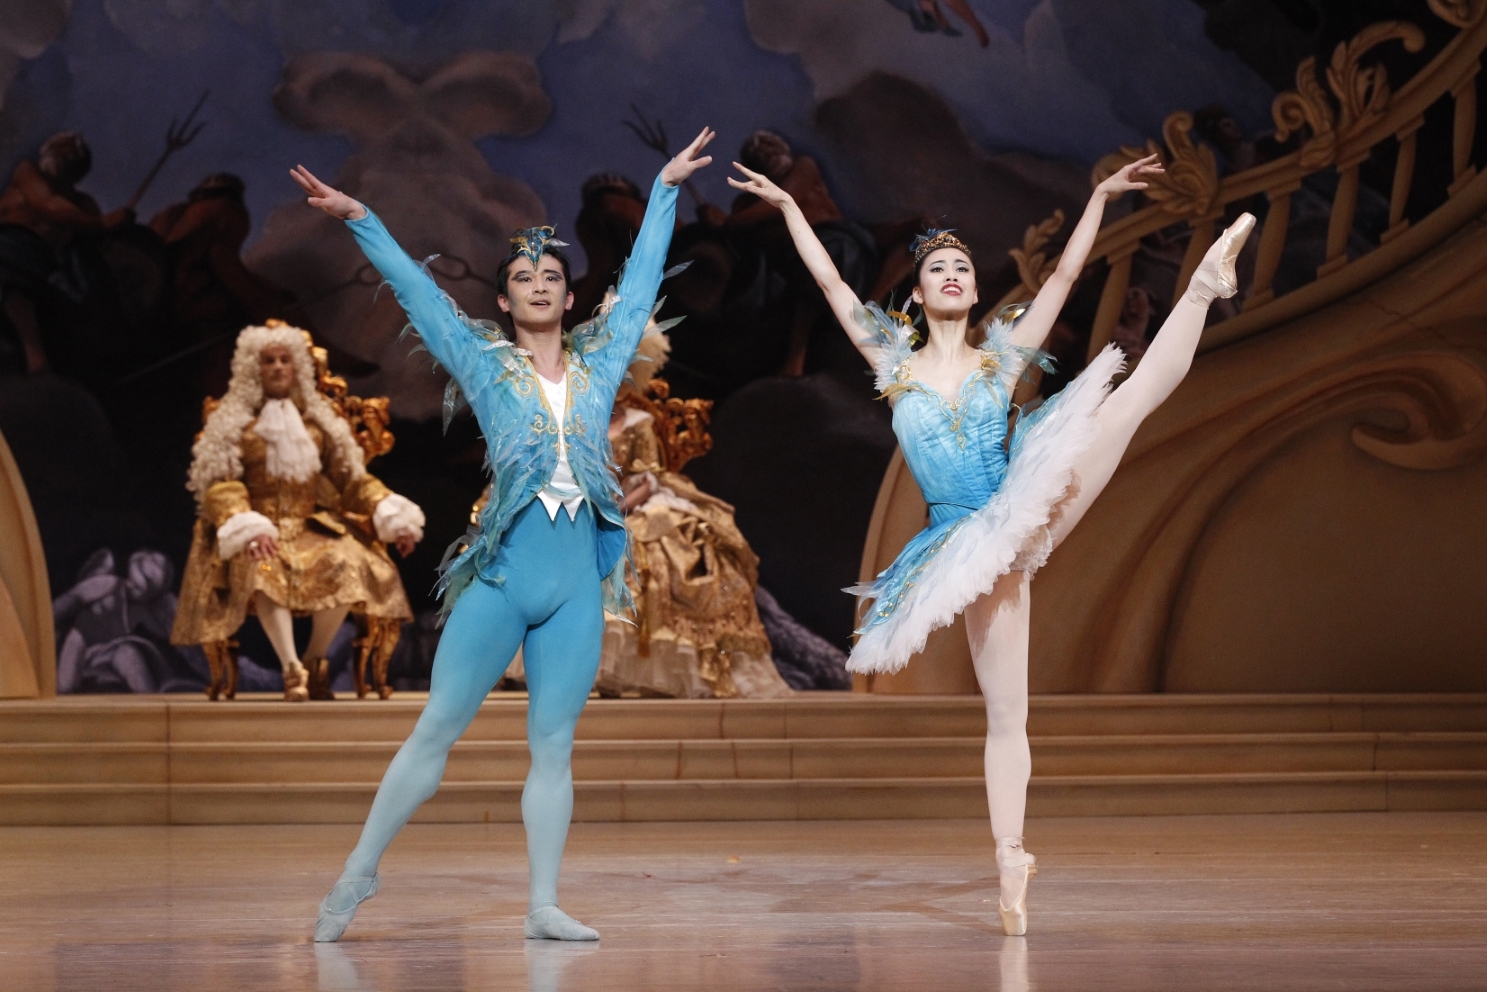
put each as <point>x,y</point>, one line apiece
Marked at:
<point>752,308</point>
<point>213,292</point>
<point>927,17</point>
<point>998,505</point>
<point>613,208</point>
<point>291,523</point>
<point>113,630</point>
<point>549,552</point>
<point>755,226</point>
<point>42,216</point>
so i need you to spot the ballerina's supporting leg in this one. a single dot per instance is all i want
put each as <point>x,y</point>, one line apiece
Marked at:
<point>1161,369</point>
<point>997,628</point>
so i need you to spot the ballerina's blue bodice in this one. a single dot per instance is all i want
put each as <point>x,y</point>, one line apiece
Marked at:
<point>500,385</point>
<point>955,446</point>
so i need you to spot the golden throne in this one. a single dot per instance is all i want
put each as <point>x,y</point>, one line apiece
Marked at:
<point>680,424</point>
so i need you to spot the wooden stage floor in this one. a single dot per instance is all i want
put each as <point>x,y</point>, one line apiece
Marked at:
<point>1352,901</point>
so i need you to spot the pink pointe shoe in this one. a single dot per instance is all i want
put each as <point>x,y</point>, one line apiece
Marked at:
<point>1214,278</point>
<point>1015,865</point>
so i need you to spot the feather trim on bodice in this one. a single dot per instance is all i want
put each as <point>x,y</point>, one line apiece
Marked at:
<point>895,343</point>
<point>1001,360</point>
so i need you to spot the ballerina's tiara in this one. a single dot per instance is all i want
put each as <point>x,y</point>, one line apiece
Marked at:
<point>533,241</point>
<point>934,239</point>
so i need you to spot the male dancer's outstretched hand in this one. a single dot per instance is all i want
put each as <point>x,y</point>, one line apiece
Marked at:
<point>679,169</point>
<point>333,201</point>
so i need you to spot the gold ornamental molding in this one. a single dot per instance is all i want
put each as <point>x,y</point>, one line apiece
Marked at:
<point>1362,94</point>
<point>1461,13</point>
<point>1190,183</point>
<point>1033,263</point>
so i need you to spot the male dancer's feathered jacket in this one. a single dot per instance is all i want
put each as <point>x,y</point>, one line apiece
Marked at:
<point>499,383</point>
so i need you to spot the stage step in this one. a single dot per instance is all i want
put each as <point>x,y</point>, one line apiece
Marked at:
<point>724,760</point>
<point>262,717</point>
<point>817,756</point>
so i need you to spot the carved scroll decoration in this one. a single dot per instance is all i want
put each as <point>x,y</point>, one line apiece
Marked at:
<point>368,416</point>
<point>680,424</point>
<point>1443,400</point>
<point>1362,93</point>
<point>1190,183</point>
<point>1033,263</point>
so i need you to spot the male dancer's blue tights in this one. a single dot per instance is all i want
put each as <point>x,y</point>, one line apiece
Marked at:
<point>541,593</point>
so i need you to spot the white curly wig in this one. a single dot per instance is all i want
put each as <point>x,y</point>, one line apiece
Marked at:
<point>217,455</point>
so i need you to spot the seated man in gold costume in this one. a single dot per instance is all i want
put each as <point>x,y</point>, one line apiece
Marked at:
<point>291,523</point>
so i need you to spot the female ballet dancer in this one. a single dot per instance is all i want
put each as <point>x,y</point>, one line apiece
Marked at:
<point>532,577</point>
<point>997,506</point>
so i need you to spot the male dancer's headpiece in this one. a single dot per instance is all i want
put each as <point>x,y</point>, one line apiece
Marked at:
<point>533,241</point>
<point>934,239</point>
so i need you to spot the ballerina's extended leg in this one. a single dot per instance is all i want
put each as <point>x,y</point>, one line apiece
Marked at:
<point>1161,369</point>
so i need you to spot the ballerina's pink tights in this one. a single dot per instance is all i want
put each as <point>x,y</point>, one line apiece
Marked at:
<point>997,623</point>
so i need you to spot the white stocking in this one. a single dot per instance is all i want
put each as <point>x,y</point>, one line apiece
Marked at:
<point>323,630</point>
<point>278,624</point>
<point>997,628</point>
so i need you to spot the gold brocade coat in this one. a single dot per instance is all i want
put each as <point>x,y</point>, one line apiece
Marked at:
<point>693,584</point>
<point>328,553</point>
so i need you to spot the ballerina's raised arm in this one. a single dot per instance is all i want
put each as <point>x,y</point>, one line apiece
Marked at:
<point>1030,331</point>
<point>844,303</point>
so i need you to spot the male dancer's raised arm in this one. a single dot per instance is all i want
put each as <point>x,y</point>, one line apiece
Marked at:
<point>428,307</point>
<point>636,294</point>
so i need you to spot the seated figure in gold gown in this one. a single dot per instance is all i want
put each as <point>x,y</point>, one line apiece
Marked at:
<point>291,523</point>
<point>698,633</point>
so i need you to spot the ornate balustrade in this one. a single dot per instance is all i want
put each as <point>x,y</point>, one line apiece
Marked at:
<point>1343,123</point>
